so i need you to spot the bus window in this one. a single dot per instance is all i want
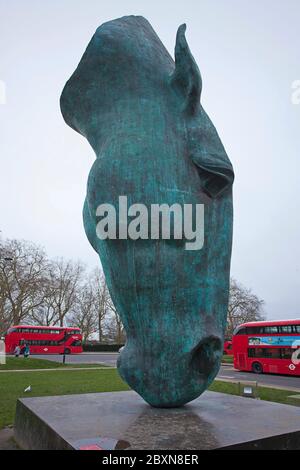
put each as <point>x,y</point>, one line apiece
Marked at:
<point>271,329</point>
<point>241,331</point>
<point>12,330</point>
<point>286,329</point>
<point>272,353</point>
<point>286,353</point>
<point>255,352</point>
<point>251,352</point>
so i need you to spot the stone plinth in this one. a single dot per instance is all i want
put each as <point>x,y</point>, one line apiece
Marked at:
<point>123,420</point>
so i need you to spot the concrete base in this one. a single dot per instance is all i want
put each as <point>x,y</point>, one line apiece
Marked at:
<point>123,420</point>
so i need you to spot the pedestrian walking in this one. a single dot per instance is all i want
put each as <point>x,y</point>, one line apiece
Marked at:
<point>26,350</point>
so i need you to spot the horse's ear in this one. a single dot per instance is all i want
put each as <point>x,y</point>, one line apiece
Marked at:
<point>186,78</point>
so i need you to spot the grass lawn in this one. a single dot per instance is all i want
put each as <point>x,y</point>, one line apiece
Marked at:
<point>18,363</point>
<point>227,359</point>
<point>264,393</point>
<point>12,385</point>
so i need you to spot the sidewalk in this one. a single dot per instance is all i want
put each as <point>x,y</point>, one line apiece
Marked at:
<point>58,368</point>
<point>276,387</point>
<point>98,352</point>
<point>73,368</point>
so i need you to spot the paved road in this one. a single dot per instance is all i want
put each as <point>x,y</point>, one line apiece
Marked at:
<point>226,372</point>
<point>84,358</point>
<point>283,381</point>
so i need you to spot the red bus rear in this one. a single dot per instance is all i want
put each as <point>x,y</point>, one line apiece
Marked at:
<point>44,339</point>
<point>269,347</point>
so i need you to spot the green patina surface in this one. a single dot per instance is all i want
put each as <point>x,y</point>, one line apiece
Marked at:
<point>154,143</point>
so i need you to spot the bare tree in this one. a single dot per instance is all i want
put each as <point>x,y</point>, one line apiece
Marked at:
<point>85,312</point>
<point>64,283</point>
<point>102,299</point>
<point>23,267</point>
<point>5,314</point>
<point>46,313</point>
<point>244,306</point>
<point>44,292</point>
<point>115,326</point>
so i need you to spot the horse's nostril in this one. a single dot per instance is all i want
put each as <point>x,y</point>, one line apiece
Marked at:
<point>206,354</point>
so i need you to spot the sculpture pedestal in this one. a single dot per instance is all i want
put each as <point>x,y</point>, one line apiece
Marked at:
<point>117,420</point>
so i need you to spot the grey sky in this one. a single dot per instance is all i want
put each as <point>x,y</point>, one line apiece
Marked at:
<point>248,55</point>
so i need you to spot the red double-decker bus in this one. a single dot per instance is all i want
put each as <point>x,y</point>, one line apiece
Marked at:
<point>227,348</point>
<point>44,339</point>
<point>268,346</point>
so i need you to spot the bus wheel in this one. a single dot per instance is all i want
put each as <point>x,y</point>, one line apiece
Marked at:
<point>67,351</point>
<point>257,368</point>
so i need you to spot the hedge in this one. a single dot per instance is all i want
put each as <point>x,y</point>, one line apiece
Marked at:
<point>102,347</point>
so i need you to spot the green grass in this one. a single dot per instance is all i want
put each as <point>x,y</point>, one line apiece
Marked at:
<point>264,393</point>
<point>227,359</point>
<point>12,386</point>
<point>29,363</point>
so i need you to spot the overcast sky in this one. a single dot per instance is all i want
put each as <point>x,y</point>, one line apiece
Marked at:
<point>248,54</point>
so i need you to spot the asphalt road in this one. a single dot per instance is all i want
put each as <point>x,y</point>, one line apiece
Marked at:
<point>226,372</point>
<point>280,381</point>
<point>84,358</point>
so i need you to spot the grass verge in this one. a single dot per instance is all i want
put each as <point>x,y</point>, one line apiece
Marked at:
<point>227,359</point>
<point>30,363</point>
<point>264,393</point>
<point>52,383</point>
<point>12,386</point>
